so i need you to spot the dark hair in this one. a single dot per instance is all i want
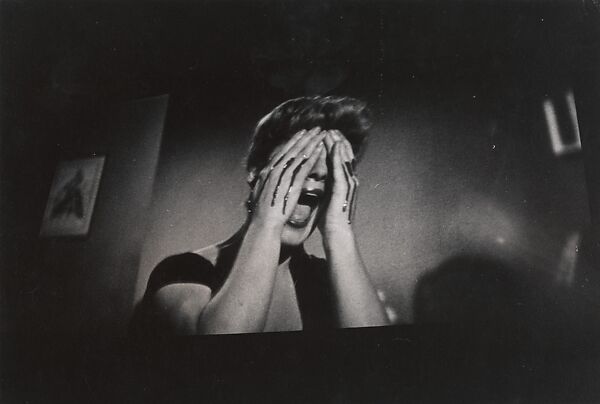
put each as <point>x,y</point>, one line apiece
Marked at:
<point>348,115</point>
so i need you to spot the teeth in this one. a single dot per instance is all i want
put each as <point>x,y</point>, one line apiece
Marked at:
<point>298,222</point>
<point>309,199</point>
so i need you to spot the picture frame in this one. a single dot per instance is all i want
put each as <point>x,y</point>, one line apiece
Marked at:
<point>72,197</point>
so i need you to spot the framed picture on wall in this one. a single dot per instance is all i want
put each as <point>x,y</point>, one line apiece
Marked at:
<point>72,197</point>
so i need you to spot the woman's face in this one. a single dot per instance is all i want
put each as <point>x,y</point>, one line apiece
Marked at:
<point>312,201</point>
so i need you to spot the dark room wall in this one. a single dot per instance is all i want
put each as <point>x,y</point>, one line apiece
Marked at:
<point>59,292</point>
<point>100,271</point>
<point>82,285</point>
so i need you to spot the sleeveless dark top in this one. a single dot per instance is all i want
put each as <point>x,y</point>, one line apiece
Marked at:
<point>308,272</point>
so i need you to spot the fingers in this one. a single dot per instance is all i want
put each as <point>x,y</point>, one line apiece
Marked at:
<point>295,163</point>
<point>329,142</point>
<point>343,157</point>
<point>285,167</point>
<point>263,177</point>
<point>323,156</point>
<point>341,164</point>
<point>353,195</point>
<point>289,151</point>
<point>300,173</point>
<point>296,144</point>
<point>340,175</point>
<point>276,159</point>
<point>301,167</point>
<point>350,164</point>
<point>347,152</point>
<point>282,180</point>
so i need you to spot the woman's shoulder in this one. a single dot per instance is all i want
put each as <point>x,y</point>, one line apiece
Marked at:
<point>210,253</point>
<point>198,266</point>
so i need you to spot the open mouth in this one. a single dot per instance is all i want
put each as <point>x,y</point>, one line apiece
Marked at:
<point>311,197</point>
<point>307,202</point>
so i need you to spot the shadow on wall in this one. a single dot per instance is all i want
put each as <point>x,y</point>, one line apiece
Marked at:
<point>488,296</point>
<point>531,336</point>
<point>474,290</point>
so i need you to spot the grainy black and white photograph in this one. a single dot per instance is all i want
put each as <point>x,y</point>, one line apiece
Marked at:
<point>300,202</point>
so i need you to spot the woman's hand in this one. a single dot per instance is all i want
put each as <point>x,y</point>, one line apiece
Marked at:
<point>354,296</point>
<point>242,304</point>
<point>279,184</point>
<point>342,204</point>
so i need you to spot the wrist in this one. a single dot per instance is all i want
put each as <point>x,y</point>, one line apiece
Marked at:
<point>265,227</point>
<point>340,234</point>
<point>336,224</point>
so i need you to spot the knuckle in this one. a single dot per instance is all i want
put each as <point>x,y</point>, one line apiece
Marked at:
<point>294,150</point>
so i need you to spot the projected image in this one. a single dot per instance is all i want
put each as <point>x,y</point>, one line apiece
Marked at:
<point>302,176</point>
<point>460,180</point>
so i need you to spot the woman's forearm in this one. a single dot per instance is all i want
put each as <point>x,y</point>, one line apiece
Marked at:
<point>356,300</point>
<point>242,304</point>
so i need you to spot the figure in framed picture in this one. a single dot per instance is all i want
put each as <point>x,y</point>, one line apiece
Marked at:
<point>72,197</point>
